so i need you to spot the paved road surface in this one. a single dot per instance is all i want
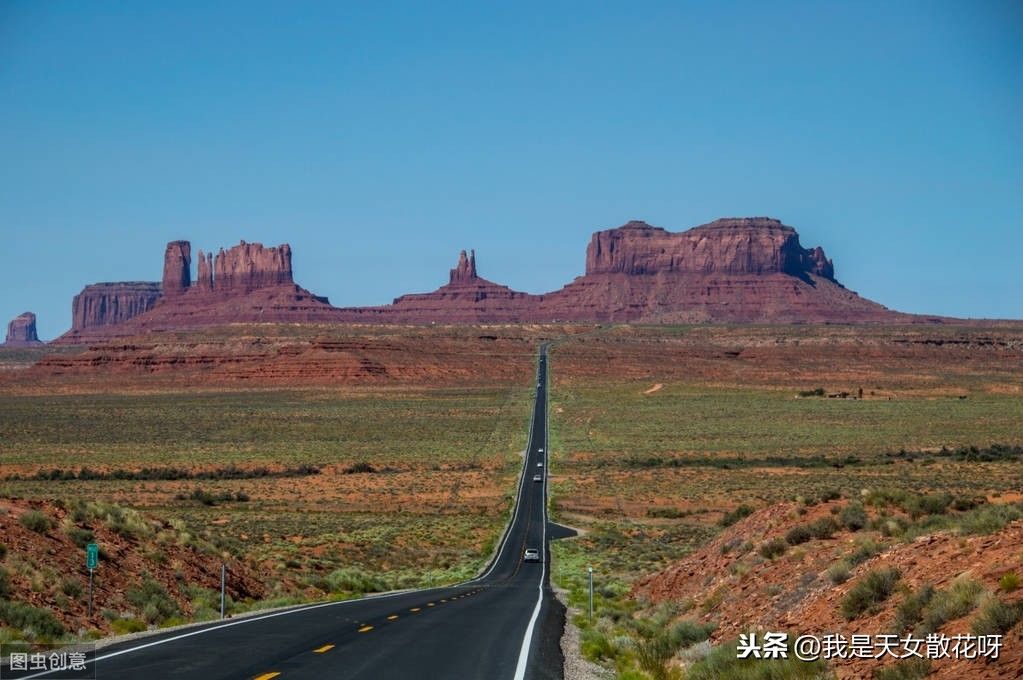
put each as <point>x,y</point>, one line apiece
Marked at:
<point>504,624</point>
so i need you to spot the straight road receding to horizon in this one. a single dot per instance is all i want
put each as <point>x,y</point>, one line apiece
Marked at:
<point>503,624</point>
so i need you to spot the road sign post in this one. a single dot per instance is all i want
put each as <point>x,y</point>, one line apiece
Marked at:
<point>91,562</point>
<point>223,587</point>
<point>590,570</point>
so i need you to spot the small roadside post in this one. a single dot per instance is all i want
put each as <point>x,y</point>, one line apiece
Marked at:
<point>590,570</point>
<point>223,586</point>
<point>91,562</point>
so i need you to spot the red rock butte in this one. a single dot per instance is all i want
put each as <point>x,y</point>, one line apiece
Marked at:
<point>734,270</point>
<point>21,331</point>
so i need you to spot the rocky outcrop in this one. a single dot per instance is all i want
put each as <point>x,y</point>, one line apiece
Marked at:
<point>177,268</point>
<point>751,245</point>
<point>467,298</point>
<point>21,331</point>
<point>102,305</point>
<point>733,270</point>
<point>248,266</point>
<point>464,272</point>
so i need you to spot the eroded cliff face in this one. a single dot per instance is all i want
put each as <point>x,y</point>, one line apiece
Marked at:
<point>733,270</point>
<point>248,266</point>
<point>21,331</point>
<point>177,268</point>
<point>108,304</point>
<point>465,271</point>
<point>750,245</point>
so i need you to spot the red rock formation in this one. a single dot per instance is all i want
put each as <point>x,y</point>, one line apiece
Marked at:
<point>204,279</point>
<point>736,270</point>
<point>21,331</point>
<point>465,271</point>
<point>108,304</point>
<point>752,245</point>
<point>249,266</point>
<point>177,272</point>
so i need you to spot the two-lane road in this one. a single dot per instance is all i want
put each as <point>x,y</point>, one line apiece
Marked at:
<point>503,624</point>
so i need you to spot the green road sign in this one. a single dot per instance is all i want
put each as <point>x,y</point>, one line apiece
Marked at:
<point>92,556</point>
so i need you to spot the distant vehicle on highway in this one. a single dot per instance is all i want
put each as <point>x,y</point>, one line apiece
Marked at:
<point>537,478</point>
<point>539,450</point>
<point>531,555</point>
<point>540,464</point>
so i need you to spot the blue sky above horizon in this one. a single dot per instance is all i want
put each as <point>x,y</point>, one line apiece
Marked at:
<point>379,139</point>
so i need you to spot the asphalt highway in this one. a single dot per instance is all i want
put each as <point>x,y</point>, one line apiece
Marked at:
<point>504,624</point>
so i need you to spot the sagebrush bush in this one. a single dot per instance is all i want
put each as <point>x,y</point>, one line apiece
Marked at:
<point>152,600</point>
<point>839,572</point>
<point>735,515</point>
<point>825,527</point>
<point>910,611</point>
<point>355,580</point>
<point>1009,582</point>
<point>853,517</point>
<point>33,520</point>
<point>871,590</point>
<point>996,617</point>
<point>958,599</point>
<point>80,537</point>
<point>776,547</point>
<point>988,519</point>
<point>27,617</point>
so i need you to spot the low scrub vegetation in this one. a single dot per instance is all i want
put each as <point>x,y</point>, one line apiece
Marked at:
<point>822,528</point>
<point>735,515</point>
<point>776,547</point>
<point>148,474</point>
<point>208,498</point>
<point>996,617</point>
<point>36,521</point>
<point>152,601</point>
<point>38,625</point>
<point>960,598</point>
<point>870,591</point>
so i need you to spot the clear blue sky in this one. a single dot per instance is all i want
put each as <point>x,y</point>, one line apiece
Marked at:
<point>381,138</point>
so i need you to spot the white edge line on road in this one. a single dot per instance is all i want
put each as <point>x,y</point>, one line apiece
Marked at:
<point>306,608</point>
<point>527,639</point>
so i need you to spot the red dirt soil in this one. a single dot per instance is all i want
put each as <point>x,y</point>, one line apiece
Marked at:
<point>792,593</point>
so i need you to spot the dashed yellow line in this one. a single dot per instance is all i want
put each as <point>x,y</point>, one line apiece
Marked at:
<point>267,676</point>
<point>444,600</point>
<point>365,629</point>
<point>414,609</point>
<point>324,648</point>
<point>430,604</point>
<point>392,617</point>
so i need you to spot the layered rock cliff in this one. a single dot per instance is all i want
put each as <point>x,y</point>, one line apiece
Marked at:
<point>177,268</point>
<point>21,331</point>
<point>733,270</point>
<point>108,304</point>
<point>248,266</point>
<point>749,245</point>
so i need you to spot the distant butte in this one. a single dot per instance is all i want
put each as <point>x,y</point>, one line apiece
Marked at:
<point>732,270</point>
<point>21,331</point>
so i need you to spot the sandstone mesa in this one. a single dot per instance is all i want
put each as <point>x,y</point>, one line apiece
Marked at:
<point>733,270</point>
<point>21,331</point>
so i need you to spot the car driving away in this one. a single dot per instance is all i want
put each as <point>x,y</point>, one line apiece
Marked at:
<point>531,555</point>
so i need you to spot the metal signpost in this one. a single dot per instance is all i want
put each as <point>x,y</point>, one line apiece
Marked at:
<point>91,562</point>
<point>590,570</point>
<point>223,587</point>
